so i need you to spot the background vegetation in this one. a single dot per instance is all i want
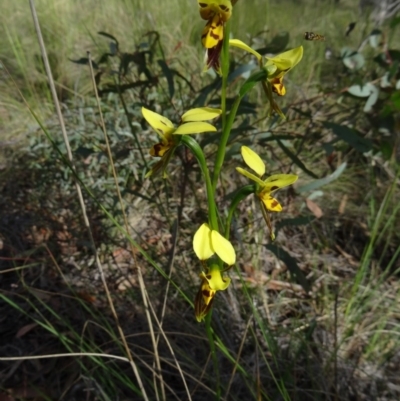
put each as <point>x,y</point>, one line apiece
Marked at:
<point>313,316</point>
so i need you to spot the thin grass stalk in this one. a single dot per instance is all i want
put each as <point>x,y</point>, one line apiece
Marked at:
<point>170,264</point>
<point>175,235</point>
<point>279,382</point>
<point>376,232</point>
<point>106,379</point>
<point>92,355</point>
<point>141,281</point>
<point>228,389</point>
<point>69,355</point>
<point>210,336</point>
<point>78,188</point>
<point>171,351</point>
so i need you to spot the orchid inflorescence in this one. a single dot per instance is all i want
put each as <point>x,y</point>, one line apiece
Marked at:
<point>214,250</point>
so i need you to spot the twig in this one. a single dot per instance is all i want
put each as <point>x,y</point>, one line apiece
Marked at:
<point>141,281</point>
<point>79,191</point>
<point>238,358</point>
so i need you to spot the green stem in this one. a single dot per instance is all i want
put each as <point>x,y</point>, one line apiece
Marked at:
<point>225,132</point>
<point>224,140</point>
<point>212,216</point>
<point>225,69</point>
<point>198,152</point>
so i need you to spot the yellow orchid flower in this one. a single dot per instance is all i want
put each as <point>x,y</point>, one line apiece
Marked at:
<point>265,188</point>
<point>276,68</point>
<point>281,64</point>
<point>212,281</point>
<point>192,122</point>
<point>216,12</point>
<point>206,243</point>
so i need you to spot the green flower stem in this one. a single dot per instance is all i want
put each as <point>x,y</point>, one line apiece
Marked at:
<point>225,69</point>
<point>226,127</point>
<point>239,196</point>
<point>224,140</point>
<point>212,215</point>
<point>198,152</point>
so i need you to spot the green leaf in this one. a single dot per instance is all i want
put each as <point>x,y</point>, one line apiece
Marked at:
<point>385,81</point>
<point>201,100</point>
<point>350,136</point>
<point>107,35</point>
<point>138,194</point>
<point>296,160</point>
<point>240,193</point>
<point>313,185</point>
<point>386,149</point>
<point>242,71</point>
<point>360,90</point>
<point>84,151</point>
<point>252,81</point>
<point>169,75</point>
<point>393,70</point>
<point>387,58</point>
<point>291,264</point>
<point>267,137</point>
<point>84,61</point>
<point>375,38</point>
<point>372,99</point>
<point>352,59</point>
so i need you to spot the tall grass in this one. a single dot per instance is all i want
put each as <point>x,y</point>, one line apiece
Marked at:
<point>69,29</point>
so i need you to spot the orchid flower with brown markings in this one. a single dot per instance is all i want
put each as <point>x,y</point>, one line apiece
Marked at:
<point>192,122</point>
<point>276,67</point>
<point>216,12</point>
<point>206,243</point>
<point>265,188</point>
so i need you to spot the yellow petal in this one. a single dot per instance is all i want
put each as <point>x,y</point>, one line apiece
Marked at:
<point>223,248</point>
<point>209,8</point>
<point>197,127</point>
<point>252,159</point>
<point>213,32</point>
<point>277,86</point>
<point>278,181</point>
<point>243,46</point>
<point>159,149</point>
<point>286,60</point>
<point>250,175</point>
<point>271,69</point>
<point>271,203</point>
<point>204,300</point>
<point>207,291</point>
<point>202,242</point>
<point>273,105</point>
<point>161,124</point>
<point>201,114</point>
<point>161,165</point>
<point>215,279</point>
